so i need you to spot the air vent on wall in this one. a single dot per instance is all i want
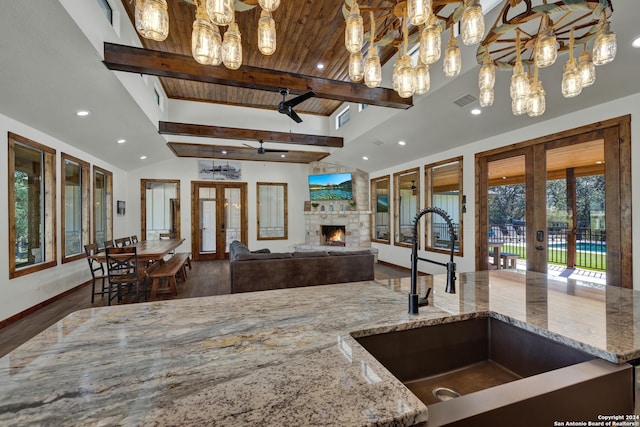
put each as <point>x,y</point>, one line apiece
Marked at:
<point>465,100</point>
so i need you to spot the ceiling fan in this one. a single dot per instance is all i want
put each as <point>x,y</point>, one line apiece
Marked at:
<point>286,107</point>
<point>262,150</point>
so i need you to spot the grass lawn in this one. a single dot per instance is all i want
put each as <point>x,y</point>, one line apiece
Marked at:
<point>586,260</point>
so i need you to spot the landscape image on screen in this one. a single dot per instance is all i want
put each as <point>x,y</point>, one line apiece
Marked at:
<point>335,186</point>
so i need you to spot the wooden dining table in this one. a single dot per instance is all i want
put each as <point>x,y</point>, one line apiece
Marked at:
<point>148,250</point>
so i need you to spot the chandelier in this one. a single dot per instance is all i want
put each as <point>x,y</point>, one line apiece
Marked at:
<point>207,46</point>
<point>527,35</point>
<point>525,38</point>
<point>405,22</point>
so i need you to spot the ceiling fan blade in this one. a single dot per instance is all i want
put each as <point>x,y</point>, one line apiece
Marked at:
<point>298,99</point>
<point>294,116</point>
<point>247,145</point>
<point>275,151</point>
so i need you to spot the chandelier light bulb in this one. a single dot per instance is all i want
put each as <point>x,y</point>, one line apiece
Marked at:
<point>487,75</point>
<point>152,19</point>
<point>354,31</point>
<point>546,50</point>
<point>519,106</point>
<point>536,103</point>
<point>372,68</point>
<point>587,69</point>
<point>472,23</point>
<point>220,12</point>
<point>406,77</point>
<point>356,66</point>
<point>452,59</point>
<point>266,33</point>
<point>605,46</point>
<point>486,97</point>
<point>232,47</point>
<point>430,42</point>
<point>269,5</point>
<point>520,86</point>
<point>423,79</point>
<point>205,38</point>
<point>571,80</point>
<point>418,11</point>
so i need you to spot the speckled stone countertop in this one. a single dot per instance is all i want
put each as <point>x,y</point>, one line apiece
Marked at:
<point>277,358</point>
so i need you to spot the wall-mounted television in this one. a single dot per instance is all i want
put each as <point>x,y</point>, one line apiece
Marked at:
<point>332,186</point>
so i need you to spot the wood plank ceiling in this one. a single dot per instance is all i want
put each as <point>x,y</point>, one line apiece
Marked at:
<point>309,32</point>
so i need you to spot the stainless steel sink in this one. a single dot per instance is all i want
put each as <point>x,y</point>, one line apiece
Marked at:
<point>485,371</point>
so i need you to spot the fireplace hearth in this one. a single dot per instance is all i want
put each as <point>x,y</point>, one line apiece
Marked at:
<point>333,235</point>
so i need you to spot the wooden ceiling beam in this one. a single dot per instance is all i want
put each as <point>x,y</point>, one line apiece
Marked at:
<point>165,64</point>
<point>186,129</point>
<point>223,152</point>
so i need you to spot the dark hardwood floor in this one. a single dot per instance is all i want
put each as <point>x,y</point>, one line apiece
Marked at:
<point>205,279</point>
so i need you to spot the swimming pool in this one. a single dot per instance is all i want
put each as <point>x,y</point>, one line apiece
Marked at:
<point>599,247</point>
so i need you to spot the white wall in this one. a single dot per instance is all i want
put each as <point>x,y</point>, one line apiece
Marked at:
<point>186,170</point>
<point>620,107</point>
<point>24,292</point>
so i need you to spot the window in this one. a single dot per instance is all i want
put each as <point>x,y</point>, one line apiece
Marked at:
<point>32,206</point>
<point>406,190</point>
<point>102,206</point>
<point>443,189</point>
<point>380,209</point>
<point>160,208</point>
<point>272,211</point>
<point>362,107</point>
<point>106,8</point>
<point>75,207</point>
<point>343,118</point>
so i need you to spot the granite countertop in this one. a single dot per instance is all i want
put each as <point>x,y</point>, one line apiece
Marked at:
<point>285,357</point>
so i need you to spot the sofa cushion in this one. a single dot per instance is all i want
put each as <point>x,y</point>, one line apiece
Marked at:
<point>260,256</point>
<point>309,254</point>
<point>262,251</point>
<point>236,248</point>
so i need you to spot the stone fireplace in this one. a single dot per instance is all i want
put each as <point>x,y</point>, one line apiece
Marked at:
<point>333,235</point>
<point>354,225</point>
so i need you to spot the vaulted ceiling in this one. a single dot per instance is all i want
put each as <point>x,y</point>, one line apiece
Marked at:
<point>308,33</point>
<point>53,65</point>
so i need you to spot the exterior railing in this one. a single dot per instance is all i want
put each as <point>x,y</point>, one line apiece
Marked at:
<point>591,246</point>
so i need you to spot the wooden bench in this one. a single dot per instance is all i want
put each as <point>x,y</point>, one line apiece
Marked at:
<point>508,260</point>
<point>166,272</point>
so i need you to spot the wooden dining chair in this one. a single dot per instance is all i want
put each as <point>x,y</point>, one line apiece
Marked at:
<point>134,239</point>
<point>124,273</point>
<point>123,241</point>
<point>108,244</point>
<point>97,271</point>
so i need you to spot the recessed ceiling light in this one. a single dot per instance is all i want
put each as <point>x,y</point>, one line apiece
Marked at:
<point>320,66</point>
<point>476,111</point>
<point>402,143</point>
<point>599,162</point>
<point>224,151</point>
<point>365,158</point>
<point>143,157</point>
<point>636,42</point>
<point>122,141</point>
<point>504,177</point>
<point>82,113</point>
<point>283,156</point>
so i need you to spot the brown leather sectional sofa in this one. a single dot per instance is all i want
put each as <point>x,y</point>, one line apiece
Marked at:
<point>262,270</point>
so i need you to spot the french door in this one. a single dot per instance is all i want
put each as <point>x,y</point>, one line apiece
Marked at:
<point>600,151</point>
<point>218,217</point>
